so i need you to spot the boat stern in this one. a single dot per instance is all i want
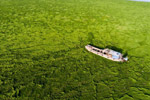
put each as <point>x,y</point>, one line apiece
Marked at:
<point>125,59</point>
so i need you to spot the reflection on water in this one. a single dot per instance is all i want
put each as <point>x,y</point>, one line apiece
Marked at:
<point>141,0</point>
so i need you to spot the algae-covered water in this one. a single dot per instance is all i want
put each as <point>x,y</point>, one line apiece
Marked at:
<point>43,55</point>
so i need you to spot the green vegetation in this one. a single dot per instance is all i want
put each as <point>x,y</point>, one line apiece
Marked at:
<point>42,54</point>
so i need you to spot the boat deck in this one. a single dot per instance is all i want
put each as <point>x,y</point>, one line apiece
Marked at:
<point>106,53</point>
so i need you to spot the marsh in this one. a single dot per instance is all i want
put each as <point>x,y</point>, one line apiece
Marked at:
<point>43,55</point>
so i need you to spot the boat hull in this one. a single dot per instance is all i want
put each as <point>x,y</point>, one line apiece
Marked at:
<point>101,52</point>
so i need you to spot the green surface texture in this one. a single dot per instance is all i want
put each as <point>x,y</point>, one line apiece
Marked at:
<point>43,55</point>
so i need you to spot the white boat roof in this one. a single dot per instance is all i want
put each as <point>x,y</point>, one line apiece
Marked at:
<point>112,52</point>
<point>115,54</point>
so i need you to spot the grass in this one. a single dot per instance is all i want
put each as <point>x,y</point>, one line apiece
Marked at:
<point>42,54</point>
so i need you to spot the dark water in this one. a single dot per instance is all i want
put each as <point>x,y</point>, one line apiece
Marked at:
<point>141,0</point>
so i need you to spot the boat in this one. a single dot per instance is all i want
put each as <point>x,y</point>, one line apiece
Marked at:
<point>107,53</point>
